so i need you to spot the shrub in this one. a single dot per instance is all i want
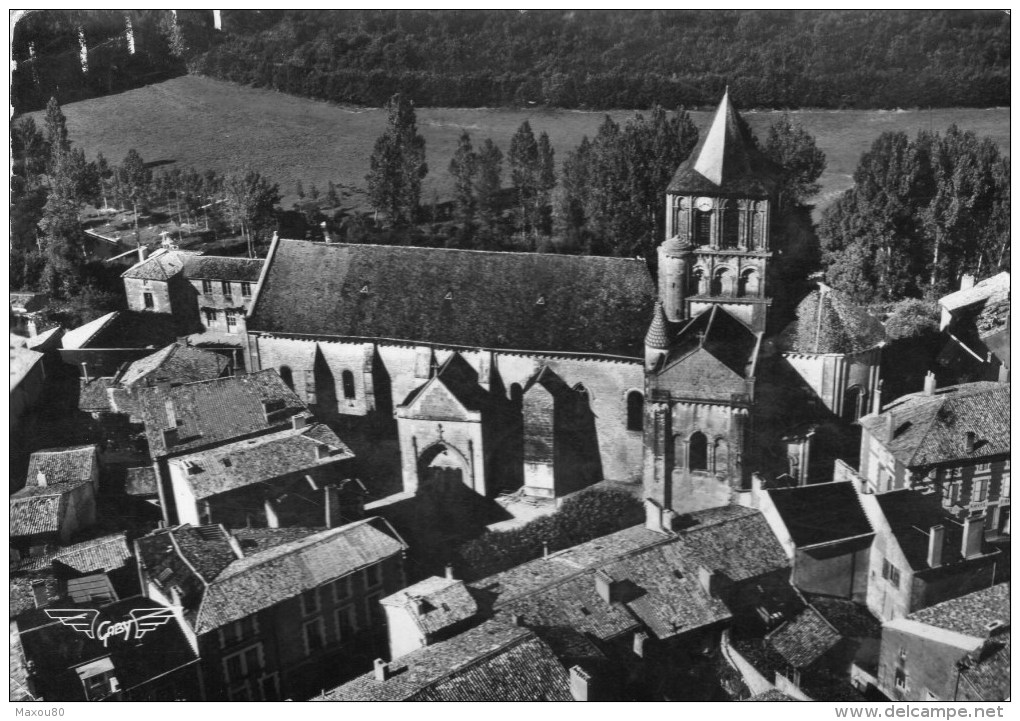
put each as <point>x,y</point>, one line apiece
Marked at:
<point>912,318</point>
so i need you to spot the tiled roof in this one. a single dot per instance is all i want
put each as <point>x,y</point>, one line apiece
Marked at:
<point>37,514</point>
<point>285,571</point>
<point>176,363</point>
<point>161,265</point>
<point>55,650</point>
<point>828,323</point>
<point>255,540</point>
<point>977,293</point>
<point>656,577</point>
<point>968,614</point>
<point>92,396</point>
<point>461,380</point>
<point>933,429</point>
<point>207,549</point>
<point>107,553</point>
<point>80,336</point>
<point>851,620</point>
<point>22,593</point>
<point>22,361</point>
<point>436,603</point>
<point>216,410</point>
<point>136,329</point>
<point>476,299</point>
<point>722,335</point>
<point>726,160</point>
<point>141,481</point>
<point>805,639</point>
<point>62,466</point>
<point>260,459</point>
<point>989,668</point>
<point>773,695</point>
<point>821,513</point>
<point>493,662</point>
<point>222,268</point>
<point>658,331</point>
<point>910,514</point>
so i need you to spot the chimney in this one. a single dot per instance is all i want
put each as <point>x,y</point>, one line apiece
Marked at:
<point>973,535</point>
<point>298,422</point>
<point>996,627</point>
<point>876,403</point>
<point>929,384</point>
<point>382,670</point>
<point>449,571</point>
<point>143,253</point>
<point>235,545</point>
<point>85,371</point>
<point>217,19</point>
<point>966,281</point>
<point>580,683</point>
<point>39,593</point>
<point>971,440</point>
<point>170,437</point>
<point>640,639</point>
<point>936,537</point>
<point>516,619</point>
<point>890,427</point>
<point>653,515</point>
<point>707,580</point>
<point>40,479</point>
<point>605,586</point>
<point>668,518</point>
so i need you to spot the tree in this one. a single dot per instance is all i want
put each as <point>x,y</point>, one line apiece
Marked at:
<point>464,169</point>
<point>490,182</point>
<point>546,181</point>
<point>135,182</point>
<point>29,151</point>
<point>397,165</point>
<point>313,192</point>
<point>56,129</point>
<point>299,188</point>
<point>795,151</point>
<point>331,195</point>
<point>912,318</point>
<point>62,232</point>
<point>525,172</point>
<point>252,199</point>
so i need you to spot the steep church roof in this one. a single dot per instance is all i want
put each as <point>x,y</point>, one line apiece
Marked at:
<point>474,299</point>
<point>727,160</point>
<point>658,332</point>
<point>720,334</point>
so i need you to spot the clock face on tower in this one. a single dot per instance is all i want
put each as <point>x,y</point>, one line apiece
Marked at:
<point>703,204</point>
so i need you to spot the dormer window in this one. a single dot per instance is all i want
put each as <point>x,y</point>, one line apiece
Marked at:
<point>449,295</point>
<point>364,289</point>
<point>541,300</point>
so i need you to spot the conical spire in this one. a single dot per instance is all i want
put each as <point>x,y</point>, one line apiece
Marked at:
<point>658,332</point>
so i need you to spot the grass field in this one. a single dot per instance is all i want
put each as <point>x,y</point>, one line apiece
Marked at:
<point>212,124</point>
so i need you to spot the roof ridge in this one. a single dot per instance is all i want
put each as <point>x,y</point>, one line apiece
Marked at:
<point>461,250</point>
<point>514,641</point>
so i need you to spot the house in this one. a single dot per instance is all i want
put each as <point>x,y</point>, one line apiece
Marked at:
<point>175,364</point>
<point>426,613</point>
<point>976,320</point>
<point>958,650</point>
<point>200,416</point>
<point>651,600</point>
<point>58,500</point>
<point>922,555</point>
<point>40,581</point>
<point>102,346</point>
<point>61,662</point>
<point>285,478</point>
<point>835,348</point>
<point>493,662</point>
<point>825,534</point>
<point>952,441</point>
<point>26,312</point>
<point>276,613</point>
<point>28,376</point>
<point>213,291</point>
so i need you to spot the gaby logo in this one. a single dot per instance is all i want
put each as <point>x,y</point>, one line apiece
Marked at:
<point>86,620</point>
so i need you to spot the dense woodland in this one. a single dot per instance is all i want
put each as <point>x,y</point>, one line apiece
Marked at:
<point>567,59</point>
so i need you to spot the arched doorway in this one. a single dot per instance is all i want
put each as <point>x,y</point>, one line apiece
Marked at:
<point>442,468</point>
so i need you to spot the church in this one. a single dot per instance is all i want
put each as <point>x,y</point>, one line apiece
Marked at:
<point>547,373</point>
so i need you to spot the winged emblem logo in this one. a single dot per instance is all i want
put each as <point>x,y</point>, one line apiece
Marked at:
<point>86,620</point>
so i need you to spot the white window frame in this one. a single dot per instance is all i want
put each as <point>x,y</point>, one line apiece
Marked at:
<point>317,621</point>
<point>245,290</point>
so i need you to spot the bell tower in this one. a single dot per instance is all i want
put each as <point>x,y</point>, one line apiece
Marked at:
<point>718,244</point>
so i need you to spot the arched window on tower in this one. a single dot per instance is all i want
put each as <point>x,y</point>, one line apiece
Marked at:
<point>748,283</point>
<point>697,452</point>
<point>721,282</point>
<point>852,403</point>
<point>700,282</point>
<point>635,411</point>
<point>347,381</point>
<point>702,227</point>
<point>730,226</point>
<point>287,375</point>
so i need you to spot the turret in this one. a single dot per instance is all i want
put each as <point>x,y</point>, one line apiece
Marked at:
<point>674,270</point>
<point>656,339</point>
